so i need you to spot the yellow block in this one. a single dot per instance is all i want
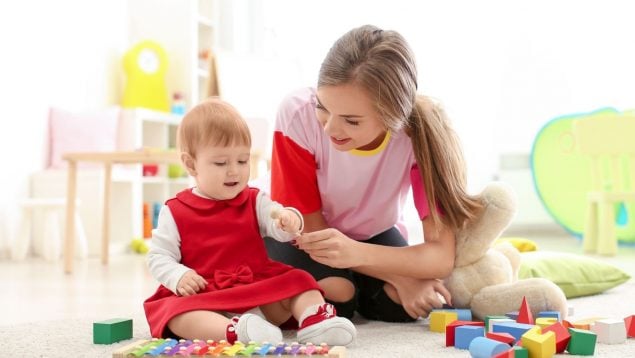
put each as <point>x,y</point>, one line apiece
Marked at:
<point>545,321</point>
<point>520,243</point>
<point>539,345</point>
<point>440,319</point>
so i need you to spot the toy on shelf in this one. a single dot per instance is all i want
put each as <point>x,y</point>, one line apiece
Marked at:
<point>178,103</point>
<point>145,65</point>
<point>171,347</point>
<point>112,330</point>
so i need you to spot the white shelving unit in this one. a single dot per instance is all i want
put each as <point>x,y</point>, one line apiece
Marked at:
<point>193,29</point>
<point>143,128</point>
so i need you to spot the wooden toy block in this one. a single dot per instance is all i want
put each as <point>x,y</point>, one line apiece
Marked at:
<point>543,322</point>
<point>112,330</point>
<point>629,322</point>
<point>463,314</point>
<point>465,335</point>
<point>490,320</point>
<point>482,347</point>
<point>501,337</point>
<point>224,349</point>
<point>582,342</point>
<point>451,328</point>
<point>610,331</point>
<point>524,313</point>
<point>506,354</point>
<point>513,328</point>
<point>440,319</point>
<point>552,314</point>
<point>520,352</point>
<point>512,315</point>
<point>539,345</point>
<point>586,323</point>
<point>562,335</point>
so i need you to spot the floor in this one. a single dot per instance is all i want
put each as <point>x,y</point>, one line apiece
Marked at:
<point>35,290</point>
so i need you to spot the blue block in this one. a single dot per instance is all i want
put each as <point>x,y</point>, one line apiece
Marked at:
<point>482,347</point>
<point>513,315</point>
<point>463,335</point>
<point>463,314</point>
<point>554,314</point>
<point>515,329</point>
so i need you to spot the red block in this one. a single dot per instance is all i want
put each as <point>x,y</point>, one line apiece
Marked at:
<point>451,328</point>
<point>507,354</point>
<point>630,326</point>
<point>562,335</point>
<point>524,313</point>
<point>501,337</point>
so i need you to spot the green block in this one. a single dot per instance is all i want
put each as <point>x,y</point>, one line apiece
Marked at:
<point>112,330</point>
<point>520,352</point>
<point>487,318</point>
<point>582,342</point>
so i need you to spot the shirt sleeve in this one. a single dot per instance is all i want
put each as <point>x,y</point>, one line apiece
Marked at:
<point>419,193</point>
<point>293,163</point>
<point>164,257</point>
<point>267,225</point>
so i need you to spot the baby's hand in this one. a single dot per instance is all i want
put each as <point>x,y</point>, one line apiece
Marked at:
<point>190,283</point>
<point>287,220</point>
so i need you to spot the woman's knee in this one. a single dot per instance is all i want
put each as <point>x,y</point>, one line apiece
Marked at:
<point>337,289</point>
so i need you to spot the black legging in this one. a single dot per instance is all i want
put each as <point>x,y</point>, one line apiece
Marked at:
<point>370,300</point>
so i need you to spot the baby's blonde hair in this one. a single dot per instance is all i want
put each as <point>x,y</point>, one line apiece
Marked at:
<point>212,122</point>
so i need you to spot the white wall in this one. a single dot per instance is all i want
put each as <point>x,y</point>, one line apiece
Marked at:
<point>64,53</point>
<point>502,68</point>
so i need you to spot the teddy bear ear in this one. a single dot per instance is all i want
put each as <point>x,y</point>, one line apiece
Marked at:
<point>499,207</point>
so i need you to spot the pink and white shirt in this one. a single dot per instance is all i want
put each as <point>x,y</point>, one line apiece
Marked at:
<point>360,193</point>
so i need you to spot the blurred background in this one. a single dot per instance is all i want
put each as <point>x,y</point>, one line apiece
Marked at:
<point>502,69</point>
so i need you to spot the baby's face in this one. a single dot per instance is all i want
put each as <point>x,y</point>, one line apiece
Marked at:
<point>222,172</point>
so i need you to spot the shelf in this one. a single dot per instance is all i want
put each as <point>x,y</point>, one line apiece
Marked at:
<point>205,21</point>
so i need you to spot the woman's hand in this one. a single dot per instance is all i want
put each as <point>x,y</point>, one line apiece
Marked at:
<point>332,248</point>
<point>420,296</point>
<point>190,283</point>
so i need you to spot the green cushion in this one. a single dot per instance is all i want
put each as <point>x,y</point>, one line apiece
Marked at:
<point>576,275</point>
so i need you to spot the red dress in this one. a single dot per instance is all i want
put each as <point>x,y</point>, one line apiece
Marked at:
<point>220,240</point>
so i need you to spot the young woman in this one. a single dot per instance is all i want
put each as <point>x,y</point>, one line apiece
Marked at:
<point>346,154</point>
<point>208,251</point>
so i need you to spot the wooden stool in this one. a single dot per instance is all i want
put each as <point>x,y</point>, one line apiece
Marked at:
<point>52,209</point>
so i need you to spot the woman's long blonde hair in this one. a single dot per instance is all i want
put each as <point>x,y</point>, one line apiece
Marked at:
<point>383,64</point>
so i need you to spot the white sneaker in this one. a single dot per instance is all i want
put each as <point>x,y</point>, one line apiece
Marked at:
<point>325,327</point>
<point>250,327</point>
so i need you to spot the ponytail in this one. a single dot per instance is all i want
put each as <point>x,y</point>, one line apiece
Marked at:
<point>440,160</point>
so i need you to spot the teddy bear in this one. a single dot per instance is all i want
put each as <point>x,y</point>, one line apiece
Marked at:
<point>485,277</point>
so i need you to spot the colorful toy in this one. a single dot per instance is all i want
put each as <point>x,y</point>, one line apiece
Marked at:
<point>146,66</point>
<point>482,347</point>
<point>562,176</point>
<point>112,330</point>
<point>440,319</point>
<point>582,342</point>
<point>562,336</point>
<point>450,330</point>
<point>485,279</point>
<point>630,326</point>
<point>610,331</point>
<point>170,347</point>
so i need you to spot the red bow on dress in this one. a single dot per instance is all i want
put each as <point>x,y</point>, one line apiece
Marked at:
<point>241,275</point>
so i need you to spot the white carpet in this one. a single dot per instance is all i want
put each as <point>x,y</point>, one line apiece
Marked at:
<point>73,338</point>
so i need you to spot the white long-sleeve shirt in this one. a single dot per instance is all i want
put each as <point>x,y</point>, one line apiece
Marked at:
<point>164,257</point>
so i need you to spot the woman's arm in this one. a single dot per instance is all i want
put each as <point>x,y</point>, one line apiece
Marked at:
<point>432,259</point>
